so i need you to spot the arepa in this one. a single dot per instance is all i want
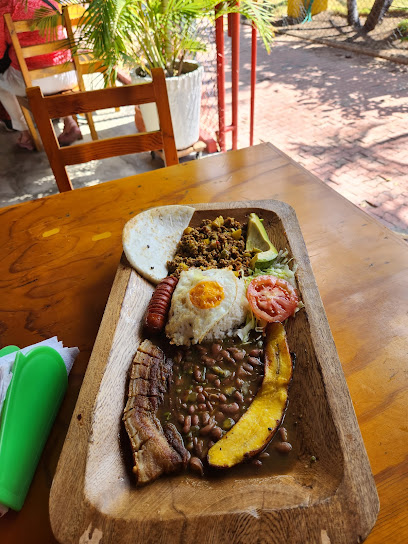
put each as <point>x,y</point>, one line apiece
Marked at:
<point>150,239</point>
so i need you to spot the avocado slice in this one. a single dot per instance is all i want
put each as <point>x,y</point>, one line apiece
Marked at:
<point>263,260</point>
<point>258,241</point>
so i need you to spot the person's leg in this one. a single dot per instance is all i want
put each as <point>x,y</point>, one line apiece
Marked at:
<point>25,140</point>
<point>10,88</point>
<point>71,132</point>
<point>56,84</point>
<point>12,85</point>
<point>12,107</point>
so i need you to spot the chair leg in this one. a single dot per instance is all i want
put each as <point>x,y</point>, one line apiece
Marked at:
<point>32,129</point>
<point>91,125</point>
<point>61,177</point>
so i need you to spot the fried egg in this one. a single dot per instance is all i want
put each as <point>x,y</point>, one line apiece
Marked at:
<point>201,299</point>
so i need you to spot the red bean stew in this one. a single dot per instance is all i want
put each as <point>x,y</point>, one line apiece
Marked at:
<point>212,387</point>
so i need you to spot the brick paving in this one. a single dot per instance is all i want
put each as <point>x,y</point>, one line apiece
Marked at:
<point>341,115</point>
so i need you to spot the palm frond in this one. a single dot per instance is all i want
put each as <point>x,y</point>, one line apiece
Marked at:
<point>47,22</point>
<point>152,33</point>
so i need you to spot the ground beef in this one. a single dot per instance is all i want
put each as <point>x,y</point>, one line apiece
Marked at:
<point>214,244</point>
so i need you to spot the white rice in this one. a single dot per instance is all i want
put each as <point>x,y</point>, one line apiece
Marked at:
<point>232,321</point>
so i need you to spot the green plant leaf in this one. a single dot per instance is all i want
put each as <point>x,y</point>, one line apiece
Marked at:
<point>152,33</point>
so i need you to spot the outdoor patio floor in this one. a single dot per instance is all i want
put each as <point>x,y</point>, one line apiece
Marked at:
<point>341,115</point>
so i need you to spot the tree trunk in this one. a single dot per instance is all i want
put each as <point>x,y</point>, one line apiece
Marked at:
<point>379,9</point>
<point>352,14</point>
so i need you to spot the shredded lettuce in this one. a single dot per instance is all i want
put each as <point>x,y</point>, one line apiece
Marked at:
<point>252,323</point>
<point>280,269</point>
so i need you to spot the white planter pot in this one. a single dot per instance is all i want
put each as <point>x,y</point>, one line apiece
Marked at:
<point>184,94</point>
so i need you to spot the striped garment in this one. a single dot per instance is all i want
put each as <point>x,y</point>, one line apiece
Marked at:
<point>19,11</point>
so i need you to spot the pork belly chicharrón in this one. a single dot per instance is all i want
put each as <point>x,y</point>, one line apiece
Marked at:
<point>156,450</point>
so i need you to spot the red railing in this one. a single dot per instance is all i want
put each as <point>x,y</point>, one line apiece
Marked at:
<point>234,33</point>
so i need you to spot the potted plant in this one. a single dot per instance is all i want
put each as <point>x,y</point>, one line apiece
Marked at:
<point>145,34</point>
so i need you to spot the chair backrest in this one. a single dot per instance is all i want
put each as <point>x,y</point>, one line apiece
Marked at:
<point>46,108</point>
<point>84,61</point>
<point>69,20</point>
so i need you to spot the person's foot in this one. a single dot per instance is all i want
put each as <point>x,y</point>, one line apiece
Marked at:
<point>25,141</point>
<point>69,135</point>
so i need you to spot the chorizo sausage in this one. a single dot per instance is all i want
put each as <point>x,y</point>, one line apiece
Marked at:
<point>159,305</point>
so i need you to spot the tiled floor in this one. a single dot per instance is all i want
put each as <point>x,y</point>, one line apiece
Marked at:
<point>25,175</point>
<point>341,115</point>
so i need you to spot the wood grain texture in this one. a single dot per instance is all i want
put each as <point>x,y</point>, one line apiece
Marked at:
<point>337,494</point>
<point>70,24</point>
<point>46,108</point>
<point>53,44</point>
<point>39,73</point>
<point>171,156</point>
<point>44,48</point>
<point>61,106</point>
<point>11,27</point>
<point>23,101</point>
<point>108,147</point>
<point>27,25</point>
<point>60,255</point>
<point>49,139</point>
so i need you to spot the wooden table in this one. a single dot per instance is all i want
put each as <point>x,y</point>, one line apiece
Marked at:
<point>60,254</point>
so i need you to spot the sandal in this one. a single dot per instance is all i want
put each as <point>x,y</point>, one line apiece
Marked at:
<point>70,136</point>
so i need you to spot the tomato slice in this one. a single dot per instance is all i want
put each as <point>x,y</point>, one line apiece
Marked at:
<point>272,299</point>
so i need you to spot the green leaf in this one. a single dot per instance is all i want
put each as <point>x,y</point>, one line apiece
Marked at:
<point>151,33</point>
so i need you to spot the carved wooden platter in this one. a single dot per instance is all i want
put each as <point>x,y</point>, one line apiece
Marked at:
<point>332,499</point>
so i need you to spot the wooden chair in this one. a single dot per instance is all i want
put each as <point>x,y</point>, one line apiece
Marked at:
<point>68,19</point>
<point>45,108</point>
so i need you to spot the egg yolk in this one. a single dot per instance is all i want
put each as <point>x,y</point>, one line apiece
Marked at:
<point>207,294</point>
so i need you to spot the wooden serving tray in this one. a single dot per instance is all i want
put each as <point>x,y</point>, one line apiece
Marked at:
<point>333,500</point>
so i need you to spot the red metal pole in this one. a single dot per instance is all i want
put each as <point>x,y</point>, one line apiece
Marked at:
<point>235,77</point>
<point>229,25</point>
<point>219,38</point>
<point>253,83</point>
